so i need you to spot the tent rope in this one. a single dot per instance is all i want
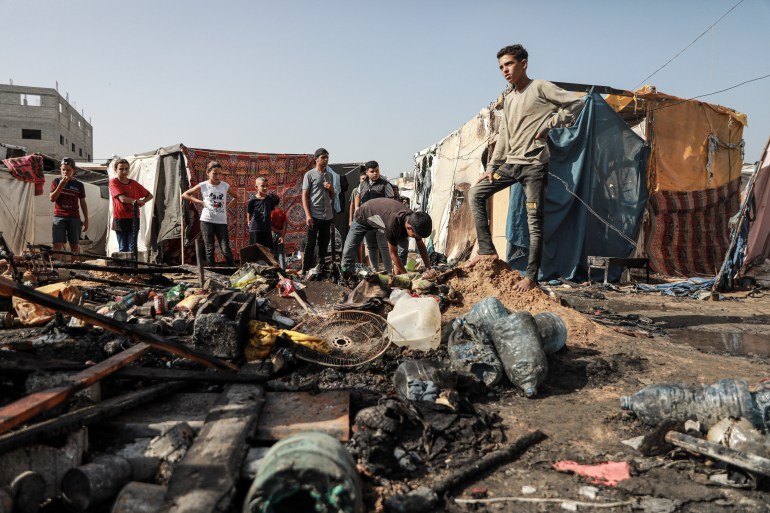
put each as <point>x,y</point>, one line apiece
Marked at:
<point>592,211</point>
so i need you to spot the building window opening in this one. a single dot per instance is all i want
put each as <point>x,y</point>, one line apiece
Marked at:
<point>61,108</point>
<point>31,100</point>
<point>80,152</point>
<point>61,140</point>
<point>73,147</point>
<point>29,133</point>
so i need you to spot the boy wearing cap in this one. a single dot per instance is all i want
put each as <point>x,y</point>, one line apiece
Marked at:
<point>68,196</point>
<point>318,194</point>
<point>398,222</point>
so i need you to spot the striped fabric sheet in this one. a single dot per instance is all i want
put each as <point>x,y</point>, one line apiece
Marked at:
<point>687,233</point>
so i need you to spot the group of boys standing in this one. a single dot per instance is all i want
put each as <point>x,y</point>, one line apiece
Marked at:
<point>530,109</point>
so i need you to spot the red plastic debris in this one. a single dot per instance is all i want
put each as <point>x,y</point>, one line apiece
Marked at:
<point>286,287</point>
<point>479,492</point>
<point>609,474</point>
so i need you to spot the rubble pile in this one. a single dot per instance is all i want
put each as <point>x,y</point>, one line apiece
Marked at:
<point>192,391</point>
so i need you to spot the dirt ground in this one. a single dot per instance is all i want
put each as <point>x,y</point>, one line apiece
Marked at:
<point>578,407</point>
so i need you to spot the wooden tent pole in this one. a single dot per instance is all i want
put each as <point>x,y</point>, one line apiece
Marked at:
<point>181,235</point>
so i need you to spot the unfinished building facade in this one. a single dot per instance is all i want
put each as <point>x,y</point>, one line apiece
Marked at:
<point>43,121</point>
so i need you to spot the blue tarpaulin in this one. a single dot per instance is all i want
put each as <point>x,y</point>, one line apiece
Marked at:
<point>596,192</point>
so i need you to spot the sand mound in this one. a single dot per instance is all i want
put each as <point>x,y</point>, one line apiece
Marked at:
<point>496,278</point>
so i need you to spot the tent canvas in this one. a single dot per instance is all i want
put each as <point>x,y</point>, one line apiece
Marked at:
<point>171,170</point>
<point>694,150</point>
<point>26,218</point>
<point>443,174</point>
<point>598,162</point>
<point>750,238</point>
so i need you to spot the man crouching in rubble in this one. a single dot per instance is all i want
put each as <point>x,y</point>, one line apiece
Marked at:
<point>399,223</point>
<point>530,109</point>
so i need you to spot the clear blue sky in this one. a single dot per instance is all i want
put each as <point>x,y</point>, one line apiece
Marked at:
<point>367,80</point>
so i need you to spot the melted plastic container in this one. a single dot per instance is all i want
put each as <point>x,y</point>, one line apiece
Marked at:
<point>415,322</point>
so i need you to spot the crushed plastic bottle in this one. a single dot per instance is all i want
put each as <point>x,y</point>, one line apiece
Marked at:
<point>471,349</point>
<point>707,404</point>
<point>518,344</point>
<point>176,293</point>
<point>422,380</point>
<point>133,298</point>
<point>552,330</point>
<point>306,472</point>
<point>485,313</point>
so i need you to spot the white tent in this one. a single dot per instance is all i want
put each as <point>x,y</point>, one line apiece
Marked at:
<point>443,174</point>
<point>143,169</point>
<point>26,218</point>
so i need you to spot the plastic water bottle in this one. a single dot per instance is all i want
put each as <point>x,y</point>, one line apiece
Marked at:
<point>422,380</point>
<point>762,400</point>
<point>518,343</point>
<point>706,404</point>
<point>133,298</point>
<point>552,330</point>
<point>485,313</point>
<point>471,349</point>
<point>306,472</point>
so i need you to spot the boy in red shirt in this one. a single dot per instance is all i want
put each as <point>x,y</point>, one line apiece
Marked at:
<point>127,195</point>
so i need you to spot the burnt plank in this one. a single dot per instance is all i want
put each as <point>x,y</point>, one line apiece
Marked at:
<point>15,362</point>
<point>32,405</point>
<point>204,481</point>
<point>72,421</point>
<point>156,374</point>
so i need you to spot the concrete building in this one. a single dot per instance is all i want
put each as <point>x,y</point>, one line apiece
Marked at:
<point>43,121</point>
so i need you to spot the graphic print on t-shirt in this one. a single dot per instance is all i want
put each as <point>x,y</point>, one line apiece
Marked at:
<point>215,202</point>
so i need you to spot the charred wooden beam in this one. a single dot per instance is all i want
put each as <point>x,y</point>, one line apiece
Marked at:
<point>746,461</point>
<point>117,269</point>
<point>138,373</point>
<point>117,283</point>
<point>76,419</point>
<point>204,481</point>
<point>10,288</point>
<point>87,255</point>
<point>14,362</point>
<point>34,404</point>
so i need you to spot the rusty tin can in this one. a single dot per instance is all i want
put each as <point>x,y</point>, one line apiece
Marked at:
<point>160,304</point>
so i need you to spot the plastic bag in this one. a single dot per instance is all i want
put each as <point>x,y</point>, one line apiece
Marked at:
<point>31,314</point>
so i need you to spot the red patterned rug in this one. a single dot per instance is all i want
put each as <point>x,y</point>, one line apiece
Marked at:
<point>687,234</point>
<point>284,176</point>
<point>28,169</point>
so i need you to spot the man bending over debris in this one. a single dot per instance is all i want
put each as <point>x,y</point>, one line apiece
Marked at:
<point>530,109</point>
<point>399,223</point>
